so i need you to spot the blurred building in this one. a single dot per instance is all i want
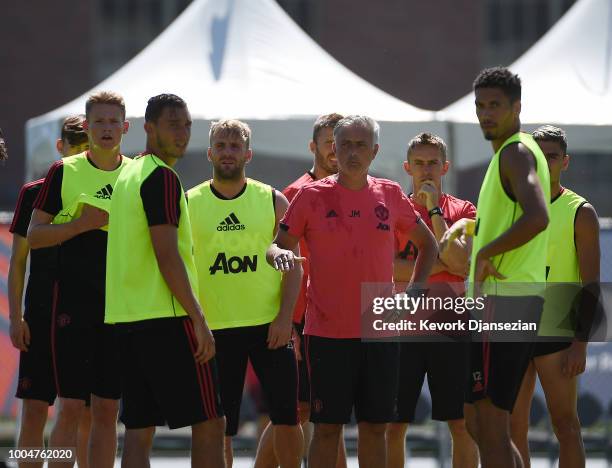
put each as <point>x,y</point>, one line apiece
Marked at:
<point>426,53</point>
<point>52,52</point>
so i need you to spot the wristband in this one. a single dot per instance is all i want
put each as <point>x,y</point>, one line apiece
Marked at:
<point>435,211</point>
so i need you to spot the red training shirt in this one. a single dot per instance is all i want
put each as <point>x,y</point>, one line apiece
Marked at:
<point>290,192</point>
<point>350,239</point>
<point>454,209</point>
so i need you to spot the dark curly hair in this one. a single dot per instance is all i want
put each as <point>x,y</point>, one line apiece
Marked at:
<point>551,133</point>
<point>502,78</point>
<point>157,104</point>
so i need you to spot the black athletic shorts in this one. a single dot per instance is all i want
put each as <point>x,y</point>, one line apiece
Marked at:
<point>497,368</point>
<point>304,378</point>
<point>446,366</point>
<point>36,381</point>
<point>161,382</point>
<point>85,359</point>
<point>276,370</point>
<point>347,374</point>
<point>543,348</point>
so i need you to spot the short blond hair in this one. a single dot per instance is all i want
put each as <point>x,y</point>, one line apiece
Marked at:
<point>231,127</point>
<point>427,139</point>
<point>105,97</point>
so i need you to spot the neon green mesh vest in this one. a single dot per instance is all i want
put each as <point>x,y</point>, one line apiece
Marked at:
<point>135,288</point>
<point>83,183</point>
<point>524,267</point>
<point>562,268</point>
<point>237,286</point>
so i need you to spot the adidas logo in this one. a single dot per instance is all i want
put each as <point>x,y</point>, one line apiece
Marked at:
<point>105,192</point>
<point>331,214</point>
<point>230,223</point>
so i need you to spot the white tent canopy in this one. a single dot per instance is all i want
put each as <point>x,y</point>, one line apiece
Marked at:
<point>567,80</point>
<point>243,59</point>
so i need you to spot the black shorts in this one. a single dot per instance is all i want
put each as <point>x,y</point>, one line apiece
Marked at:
<point>446,366</point>
<point>497,367</point>
<point>543,348</point>
<point>85,359</point>
<point>304,378</point>
<point>276,370</point>
<point>36,381</point>
<point>347,374</point>
<point>161,382</point>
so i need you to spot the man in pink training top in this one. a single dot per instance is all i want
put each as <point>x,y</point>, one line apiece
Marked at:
<point>324,165</point>
<point>348,221</point>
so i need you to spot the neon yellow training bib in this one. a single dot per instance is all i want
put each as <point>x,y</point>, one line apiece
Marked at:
<point>135,288</point>
<point>83,183</point>
<point>562,268</point>
<point>237,286</point>
<point>524,267</point>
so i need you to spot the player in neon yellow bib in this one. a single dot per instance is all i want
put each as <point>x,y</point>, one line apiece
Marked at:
<point>84,352</point>
<point>573,257</point>
<point>31,330</point>
<point>510,239</point>
<point>249,305</point>
<point>167,365</point>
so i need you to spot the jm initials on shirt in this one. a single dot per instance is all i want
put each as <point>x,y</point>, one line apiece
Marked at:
<point>350,238</point>
<point>381,212</point>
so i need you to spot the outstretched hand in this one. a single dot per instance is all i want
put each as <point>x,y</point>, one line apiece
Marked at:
<point>286,260</point>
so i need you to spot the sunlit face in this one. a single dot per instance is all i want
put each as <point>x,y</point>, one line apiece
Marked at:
<point>229,154</point>
<point>425,164</point>
<point>555,157</point>
<point>172,132</point>
<point>496,114</point>
<point>105,126</point>
<point>355,149</point>
<point>322,147</point>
